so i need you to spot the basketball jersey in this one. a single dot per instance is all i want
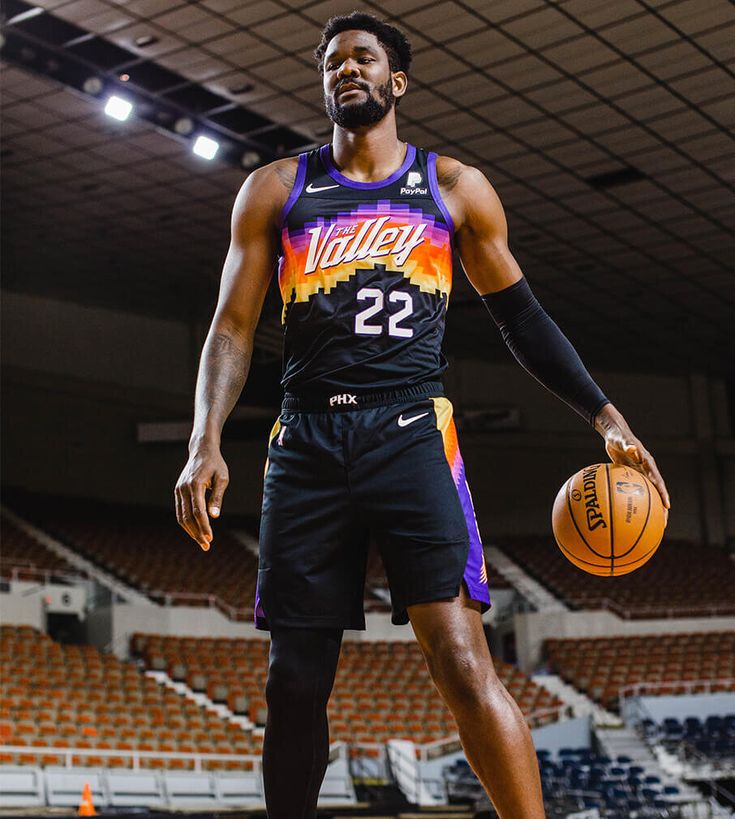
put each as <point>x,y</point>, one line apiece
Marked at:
<point>365,273</point>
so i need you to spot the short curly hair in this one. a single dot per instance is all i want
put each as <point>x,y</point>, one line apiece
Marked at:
<point>394,42</point>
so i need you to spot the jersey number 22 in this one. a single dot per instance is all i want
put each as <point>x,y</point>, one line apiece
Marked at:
<point>376,296</point>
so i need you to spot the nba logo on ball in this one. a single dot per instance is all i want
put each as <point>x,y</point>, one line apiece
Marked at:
<point>608,519</point>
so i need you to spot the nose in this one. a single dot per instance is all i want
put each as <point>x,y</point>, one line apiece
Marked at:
<point>348,69</point>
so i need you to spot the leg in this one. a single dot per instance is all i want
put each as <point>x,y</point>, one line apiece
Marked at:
<point>492,729</point>
<point>301,671</point>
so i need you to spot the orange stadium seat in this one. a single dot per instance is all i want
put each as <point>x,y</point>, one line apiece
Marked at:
<point>602,666</point>
<point>681,580</point>
<point>111,705</point>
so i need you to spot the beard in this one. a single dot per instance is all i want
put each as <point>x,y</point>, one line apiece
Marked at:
<point>358,114</point>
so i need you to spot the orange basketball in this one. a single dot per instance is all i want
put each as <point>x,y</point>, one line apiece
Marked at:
<point>608,519</point>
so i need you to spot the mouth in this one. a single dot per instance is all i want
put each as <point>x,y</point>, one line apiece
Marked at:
<point>348,87</point>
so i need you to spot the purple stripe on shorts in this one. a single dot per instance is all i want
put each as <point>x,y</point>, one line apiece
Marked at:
<point>474,574</point>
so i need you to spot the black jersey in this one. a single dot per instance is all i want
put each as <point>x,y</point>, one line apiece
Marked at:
<point>365,274</point>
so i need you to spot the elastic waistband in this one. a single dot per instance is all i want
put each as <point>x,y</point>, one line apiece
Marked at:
<point>346,401</point>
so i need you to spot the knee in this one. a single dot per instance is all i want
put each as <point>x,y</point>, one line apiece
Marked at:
<point>461,673</point>
<point>288,684</point>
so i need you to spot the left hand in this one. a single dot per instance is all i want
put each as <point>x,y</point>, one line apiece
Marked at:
<point>624,448</point>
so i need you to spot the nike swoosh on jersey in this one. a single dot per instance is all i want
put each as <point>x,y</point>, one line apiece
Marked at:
<point>311,189</point>
<point>404,422</point>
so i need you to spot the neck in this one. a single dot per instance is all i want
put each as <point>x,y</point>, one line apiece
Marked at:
<point>368,154</point>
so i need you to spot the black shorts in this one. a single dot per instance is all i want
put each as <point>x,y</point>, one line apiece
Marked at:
<point>334,477</point>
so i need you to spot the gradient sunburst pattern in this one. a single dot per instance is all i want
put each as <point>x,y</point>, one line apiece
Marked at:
<point>475,571</point>
<point>428,266</point>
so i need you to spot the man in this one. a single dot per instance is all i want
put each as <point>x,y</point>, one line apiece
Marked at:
<point>364,228</point>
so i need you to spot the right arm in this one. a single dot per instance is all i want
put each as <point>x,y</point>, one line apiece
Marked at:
<point>227,351</point>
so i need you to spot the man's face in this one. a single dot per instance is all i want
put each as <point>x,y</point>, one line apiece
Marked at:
<point>358,84</point>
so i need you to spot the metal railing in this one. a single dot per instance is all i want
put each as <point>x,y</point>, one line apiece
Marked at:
<point>250,761</point>
<point>203,600</point>
<point>19,570</point>
<point>674,687</point>
<point>654,612</point>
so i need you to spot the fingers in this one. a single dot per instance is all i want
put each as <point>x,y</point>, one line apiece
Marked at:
<point>642,460</point>
<point>199,512</point>
<point>219,485</point>
<point>191,514</point>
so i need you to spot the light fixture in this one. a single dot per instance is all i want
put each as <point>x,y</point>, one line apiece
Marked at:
<point>24,15</point>
<point>205,147</point>
<point>183,126</point>
<point>250,160</point>
<point>118,108</point>
<point>93,86</point>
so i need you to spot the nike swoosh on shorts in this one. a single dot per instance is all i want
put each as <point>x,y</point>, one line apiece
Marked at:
<point>311,189</point>
<point>404,422</point>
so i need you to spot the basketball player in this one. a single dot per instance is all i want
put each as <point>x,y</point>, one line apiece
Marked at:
<point>364,228</point>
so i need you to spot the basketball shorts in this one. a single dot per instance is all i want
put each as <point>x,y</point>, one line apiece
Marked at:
<point>383,465</point>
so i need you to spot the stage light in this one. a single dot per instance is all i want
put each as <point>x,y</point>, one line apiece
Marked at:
<point>93,86</point>
<point>183,126</point>
<point>250,160</point>
<point>205,147</point>
<point>118,108</point>
<point>24,15</point>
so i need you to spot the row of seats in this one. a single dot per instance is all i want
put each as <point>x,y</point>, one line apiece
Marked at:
<point>25,558</point>
<point>577,780</point>
<point>66,696</point>
<point>146,549</point>
<point>682,579</point>
<point>714,736</point>
<point>602,666</point>
<point>382,688</point>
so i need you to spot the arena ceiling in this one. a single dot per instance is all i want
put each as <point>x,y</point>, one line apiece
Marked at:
<point>605,127</point>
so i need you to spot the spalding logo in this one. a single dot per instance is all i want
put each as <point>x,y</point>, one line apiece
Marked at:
<point>595,518</point>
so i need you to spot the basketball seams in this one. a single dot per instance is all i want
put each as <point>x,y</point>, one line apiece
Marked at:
<point>569,532</point>
<point>610,517</point>
<point>645,522</point>
<point>570,509</point>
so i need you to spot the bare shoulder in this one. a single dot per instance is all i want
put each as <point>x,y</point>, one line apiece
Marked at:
<point>453,174</point>
<point>266,190</point>
<point>278,176</point>
<point>470,197</point>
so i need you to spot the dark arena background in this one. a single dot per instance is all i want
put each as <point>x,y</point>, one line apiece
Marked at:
<point>130,663</point>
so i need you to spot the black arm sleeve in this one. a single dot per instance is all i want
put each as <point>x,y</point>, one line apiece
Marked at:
<point>543,350</point>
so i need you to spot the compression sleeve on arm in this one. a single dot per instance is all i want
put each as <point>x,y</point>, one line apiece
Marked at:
<point>543,350</point>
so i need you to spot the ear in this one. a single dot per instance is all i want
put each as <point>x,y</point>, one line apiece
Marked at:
<point>400,83</point>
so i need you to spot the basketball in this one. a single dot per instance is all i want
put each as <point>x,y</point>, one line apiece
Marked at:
<point>608,519</point>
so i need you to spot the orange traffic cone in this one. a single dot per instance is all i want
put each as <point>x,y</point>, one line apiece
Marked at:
<point>86,808</point>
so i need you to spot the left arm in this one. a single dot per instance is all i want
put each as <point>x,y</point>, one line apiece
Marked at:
<point>535,340</point>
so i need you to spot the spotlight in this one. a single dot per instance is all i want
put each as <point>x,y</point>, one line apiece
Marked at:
<point>92,86</point>
<point>249,160</point>
<point>24,15</point>
<point>118,108</point>
<point>183,126</point>
<point>205,147</point>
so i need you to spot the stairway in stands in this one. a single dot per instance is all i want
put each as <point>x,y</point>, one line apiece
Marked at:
<point>615,742</point>
<point>537,595</point>
<point>581,704</point>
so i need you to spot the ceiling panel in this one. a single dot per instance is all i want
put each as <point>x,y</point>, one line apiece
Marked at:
<point>541,96</point>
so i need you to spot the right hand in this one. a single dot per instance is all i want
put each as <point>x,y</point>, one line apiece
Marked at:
<point>205,470</point>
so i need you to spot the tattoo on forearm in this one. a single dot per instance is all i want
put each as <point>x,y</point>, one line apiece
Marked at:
<point>222,373</point>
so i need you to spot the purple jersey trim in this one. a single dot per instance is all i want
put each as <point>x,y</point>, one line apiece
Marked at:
<point>298,186</point>
<point>434,186</point>
<point>325,154</point>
